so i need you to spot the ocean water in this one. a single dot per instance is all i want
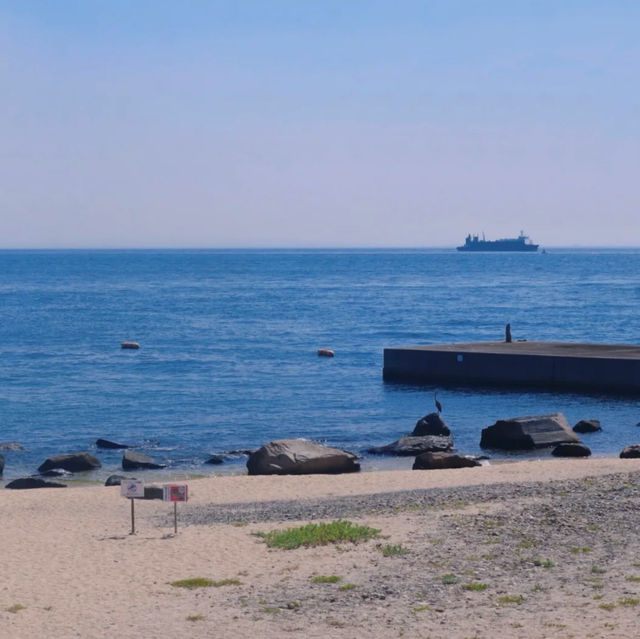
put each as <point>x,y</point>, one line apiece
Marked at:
<point>229,338</point>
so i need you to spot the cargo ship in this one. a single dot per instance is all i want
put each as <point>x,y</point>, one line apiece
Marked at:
<point>520,244</point>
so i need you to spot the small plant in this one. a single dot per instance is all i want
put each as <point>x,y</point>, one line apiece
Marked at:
<point>193,582</point>
<point>633,578</point>
<point>293,605</point>
<point>326,579</point>
<point>545,563</point>
<point>318,535</point>
<point>528,543</point>
<point>195,618</point>
<point>347,587</point>
<point>598,597</point>
<point>607,606</point>
<point>596,570</point>
<point>628,602</point>
<point>449,579</point>
<point>511,599</point>
<point>478,587</point>
<point>580,549</point>
<point>394,550</point>
<point>271,610</point>
<point>16,608</point>
<point>422,608</point>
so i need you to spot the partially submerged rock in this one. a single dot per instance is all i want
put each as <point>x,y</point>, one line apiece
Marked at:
<point>134,461</point>
<point>631,452</point>
<point>529,432</point>
<point>411,446</point>
<point>300,457</point>
<point>75,462</point>
<point>214,460</point>
<point>431,424</point>
<point>434,461</point>
<point>571,450</point>
<point>11,446</point>
<point>587,426</point>
<point>33,482</point>
<point>1,465</point>
<point>106,443</point>
<point>116,480</point>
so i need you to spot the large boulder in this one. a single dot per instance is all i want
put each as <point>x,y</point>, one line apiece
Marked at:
<point>300,457</point>
<point>138,461</point>
<point>75,462</point>
<point>412,446</point>
<point>33,482</point>
<point>107,443</point>
<point>587,426</point>
<point>571,450</point>
<point>527,433</point>
<point>431,424</point>
<point>630,452</point>
<point>434,461</point>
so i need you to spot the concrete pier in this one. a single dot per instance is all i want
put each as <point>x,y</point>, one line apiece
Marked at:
<point>546,365</point>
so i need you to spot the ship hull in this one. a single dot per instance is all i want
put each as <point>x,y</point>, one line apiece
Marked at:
<point>498,247</point>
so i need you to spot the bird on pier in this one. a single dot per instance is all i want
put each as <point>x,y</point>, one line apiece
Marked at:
<point>437,403</point>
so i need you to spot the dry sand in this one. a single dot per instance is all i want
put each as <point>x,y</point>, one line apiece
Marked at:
<point>551,545</point>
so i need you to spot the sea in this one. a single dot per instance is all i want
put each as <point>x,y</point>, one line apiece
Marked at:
<point>229,338</point>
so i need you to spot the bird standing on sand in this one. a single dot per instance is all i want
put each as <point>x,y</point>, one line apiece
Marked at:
<point>438,404</point>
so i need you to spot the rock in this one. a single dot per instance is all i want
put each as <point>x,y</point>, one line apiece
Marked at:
<point>214,459</point>
<point>325,352</point>
<point>410,445</point>
<point>33,482</point>
<point>106,443</point>
<point>56,472</point>
<point>75,462</point>
<point>134,461</point>
<point>130,345</point>
<point>431,424</point>
<point>300,457</point>
<point>571,450</point>
<point>526,433</point>
<point>116,480</point>
<point>587,426</point>
<point>1,465</point>
<point>11,446</point>
<point>630,452</point>
<point>432,461</point>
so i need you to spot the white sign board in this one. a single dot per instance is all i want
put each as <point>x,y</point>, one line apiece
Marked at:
<point>130,488</point>
<point>175,492</point>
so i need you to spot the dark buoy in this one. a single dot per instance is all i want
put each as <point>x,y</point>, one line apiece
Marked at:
<point>130,345</point>
<point>325,352</point>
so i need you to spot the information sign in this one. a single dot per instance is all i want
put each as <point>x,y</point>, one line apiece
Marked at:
<point>131,489</point>
<point>175,492</point>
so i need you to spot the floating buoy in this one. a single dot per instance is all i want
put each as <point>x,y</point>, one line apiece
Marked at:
<point>325,352</point>
<point>130,345</point>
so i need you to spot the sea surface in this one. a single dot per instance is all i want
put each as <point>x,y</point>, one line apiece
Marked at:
<point>229,338</point>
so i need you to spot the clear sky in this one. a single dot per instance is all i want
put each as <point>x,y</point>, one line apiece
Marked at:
<point>206,123</point>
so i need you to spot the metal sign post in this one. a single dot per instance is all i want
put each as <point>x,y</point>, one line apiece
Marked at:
<point>175,493</point>
<point>132,490</point>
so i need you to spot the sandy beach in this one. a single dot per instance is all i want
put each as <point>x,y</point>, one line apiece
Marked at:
<point>543,548</point>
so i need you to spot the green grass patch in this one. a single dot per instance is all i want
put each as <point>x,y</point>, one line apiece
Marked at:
<point>576,550</point>
<point>528,543</point>
<point>596,570</point>
<point>393,550</point>
<point>318,535</point>
<point>511,599</point>
<point>545,563</point>
<point>347,587</point>
<point>326,579</point>
<point>16,608</point>
<point>449,579</point>
<point>607,606</point>
<point>478,587</point>
<point>628,602</point>
<point>193,582</point>
<point>422,608</point>
<point>633,578</point>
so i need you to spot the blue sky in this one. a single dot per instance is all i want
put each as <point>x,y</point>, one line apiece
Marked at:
<point>224,124</point>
